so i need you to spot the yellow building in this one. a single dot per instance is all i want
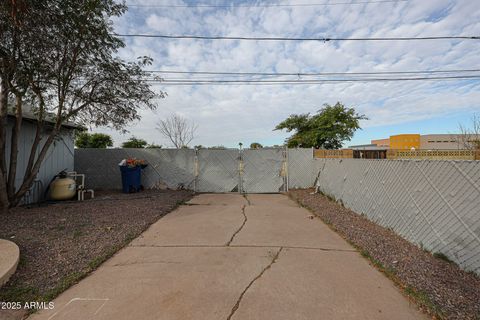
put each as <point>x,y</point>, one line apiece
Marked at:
<point>405,141</point>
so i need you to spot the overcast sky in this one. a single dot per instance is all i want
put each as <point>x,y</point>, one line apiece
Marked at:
<point>230,114</point>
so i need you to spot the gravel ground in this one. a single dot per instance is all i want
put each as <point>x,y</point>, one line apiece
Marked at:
<point>440,288</point>
<point>60,243</point>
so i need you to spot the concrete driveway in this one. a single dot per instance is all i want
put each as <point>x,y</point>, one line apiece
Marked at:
<point>225,256</point>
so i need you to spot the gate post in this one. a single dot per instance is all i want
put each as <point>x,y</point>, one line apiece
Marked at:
<point>287,173</point>
<point>240,168</point>
<point>195,170</point>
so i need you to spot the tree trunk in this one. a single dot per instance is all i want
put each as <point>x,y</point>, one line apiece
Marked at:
<point>3,123</point>
<point>12,172</point>
<point>4,203</point>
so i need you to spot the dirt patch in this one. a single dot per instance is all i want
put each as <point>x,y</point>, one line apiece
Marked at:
<point>439,287</point>
<point>60,243</point>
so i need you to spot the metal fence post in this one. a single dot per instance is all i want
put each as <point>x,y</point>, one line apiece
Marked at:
<point>240,169</point>
<point>287,172</point>
<point>195,170</point>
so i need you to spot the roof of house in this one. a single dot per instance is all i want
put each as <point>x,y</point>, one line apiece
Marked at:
<point>368,147</point>
<point>30,116</point>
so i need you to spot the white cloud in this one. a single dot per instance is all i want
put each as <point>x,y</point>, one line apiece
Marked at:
<point>229,114</point>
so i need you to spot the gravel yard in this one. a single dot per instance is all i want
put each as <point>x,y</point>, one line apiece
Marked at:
<point>60,243</point>
<point>439,287</point>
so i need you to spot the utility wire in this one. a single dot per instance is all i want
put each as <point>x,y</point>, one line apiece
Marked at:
<point>314,81</point>
<point>310,73</point>
<point>263,5</point>
<point>297,39</point>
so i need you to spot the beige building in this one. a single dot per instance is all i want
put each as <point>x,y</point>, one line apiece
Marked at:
<point>424,142</point>
<point>381,142</point>
<point>441,142</point>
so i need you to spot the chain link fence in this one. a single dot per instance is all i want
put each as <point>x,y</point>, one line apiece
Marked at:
<point>204,170</point>
<point>218,170</point>
<point>434,204</point>
<point>167,168</point>
<point>302,168</point>
<point>263,170</point>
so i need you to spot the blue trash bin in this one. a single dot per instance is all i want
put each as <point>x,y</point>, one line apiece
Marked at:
<point>131,179</point>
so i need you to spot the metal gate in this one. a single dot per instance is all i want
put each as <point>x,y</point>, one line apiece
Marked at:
<point>217,170</point>
<point>243,171</point>
<point>264,170</point>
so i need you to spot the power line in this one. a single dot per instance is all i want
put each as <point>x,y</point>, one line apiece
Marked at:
<point>294,82</point>
<point>326,39</point>
<point>263,5</point>
<point>310,73</point>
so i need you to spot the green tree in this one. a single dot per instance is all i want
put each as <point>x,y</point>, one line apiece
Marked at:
<point>153,145</point>
<point>94,140</point>
<point>61,57</point>
<point>134,143</point>
<point>255,145</point>
<point>326,129</point>
<point>82,140</point>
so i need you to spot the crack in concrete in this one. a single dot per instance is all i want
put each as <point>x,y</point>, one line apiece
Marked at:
<point>239,229</point>
<point>246,198</point>
<point>239,300</point>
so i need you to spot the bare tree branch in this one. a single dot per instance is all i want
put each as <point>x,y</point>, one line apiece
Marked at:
<point>469,137</point>
<point>178,130</point>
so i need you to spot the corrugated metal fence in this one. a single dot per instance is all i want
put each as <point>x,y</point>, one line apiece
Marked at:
<point>434,204</point>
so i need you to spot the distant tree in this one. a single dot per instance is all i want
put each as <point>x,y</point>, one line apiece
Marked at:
<point>82,140</point>
<point>134,143</point>
<point>94,140</point>
<point>469,137</point>
<point>326,129</point>
<point>178,130</point>
<point>217,147</point>
<point>153,146</point>
<point>100,140</point>
<point>255,145</point>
